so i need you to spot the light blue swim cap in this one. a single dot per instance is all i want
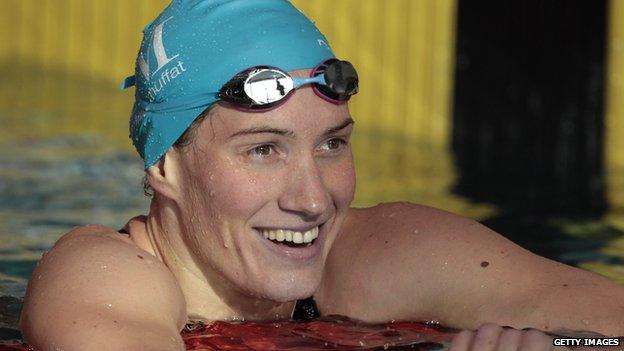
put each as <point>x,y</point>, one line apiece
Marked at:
<point>195,46</point>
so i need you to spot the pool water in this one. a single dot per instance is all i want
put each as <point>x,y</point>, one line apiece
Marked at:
<point>327,333</point>
<point>48,186</point>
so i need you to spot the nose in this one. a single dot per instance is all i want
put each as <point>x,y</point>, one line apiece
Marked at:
<point>305,193</point>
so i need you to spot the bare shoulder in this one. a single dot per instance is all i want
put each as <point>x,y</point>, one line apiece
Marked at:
<point>404,227</point>
<point>407,230</point>
<point>409,261</point>
<point>95,278</point>
<point>389,250</point>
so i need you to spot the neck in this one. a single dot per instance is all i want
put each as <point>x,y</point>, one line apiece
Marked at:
<point>209,296</point>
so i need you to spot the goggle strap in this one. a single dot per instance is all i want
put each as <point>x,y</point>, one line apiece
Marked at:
<point>300,81</point>
<point>127,82</point>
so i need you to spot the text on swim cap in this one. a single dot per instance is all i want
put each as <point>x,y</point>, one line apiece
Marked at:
<point>161,60</point>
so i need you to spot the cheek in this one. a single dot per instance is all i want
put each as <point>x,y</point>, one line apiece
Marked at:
<point>240,190</point>
<point>216,188</point>
<point>340,181</point>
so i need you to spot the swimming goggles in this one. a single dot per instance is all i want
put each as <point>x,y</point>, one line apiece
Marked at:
<point>261,88</point>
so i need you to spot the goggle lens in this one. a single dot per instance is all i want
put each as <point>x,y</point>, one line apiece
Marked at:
<point>266,85</point>
<point>341,80</point>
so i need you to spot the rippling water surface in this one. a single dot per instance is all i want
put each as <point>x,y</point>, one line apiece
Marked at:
<point>48,187</point>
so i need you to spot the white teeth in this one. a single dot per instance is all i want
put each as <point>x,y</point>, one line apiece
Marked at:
<point>280,235</point>
<point>291,236</point>
<point>297,237</point>
<point>310,235</point>
<point>307,236</point>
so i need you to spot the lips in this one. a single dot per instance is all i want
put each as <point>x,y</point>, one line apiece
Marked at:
<point>298,245</point>
<point>291,237</point>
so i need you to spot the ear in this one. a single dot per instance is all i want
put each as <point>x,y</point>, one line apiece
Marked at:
<point>164,175</point>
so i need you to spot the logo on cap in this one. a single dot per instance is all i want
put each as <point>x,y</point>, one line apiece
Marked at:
<point>159,51</point>
<point>161,60</point>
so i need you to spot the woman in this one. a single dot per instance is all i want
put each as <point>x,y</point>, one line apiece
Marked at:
<point>241,118</point>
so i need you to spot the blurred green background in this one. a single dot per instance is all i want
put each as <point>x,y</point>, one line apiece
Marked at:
<point>66,160</point>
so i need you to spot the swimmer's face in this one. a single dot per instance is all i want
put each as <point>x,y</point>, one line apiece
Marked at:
<point>248,174</point>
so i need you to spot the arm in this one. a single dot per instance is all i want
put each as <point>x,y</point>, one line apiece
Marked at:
<point>518,288</point>
<point>95,291</point>
<point>431,264</point>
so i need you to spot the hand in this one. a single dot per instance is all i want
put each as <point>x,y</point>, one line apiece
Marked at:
<point>492,337</point>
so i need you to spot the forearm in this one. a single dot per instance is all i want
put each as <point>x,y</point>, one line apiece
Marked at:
<point>571,302</point>
<point>593,304</point>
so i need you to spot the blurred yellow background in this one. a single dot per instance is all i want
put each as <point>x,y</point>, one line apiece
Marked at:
<point>614,108</point>
<point>61,62</point>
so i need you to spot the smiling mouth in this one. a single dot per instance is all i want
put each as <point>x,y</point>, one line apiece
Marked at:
<point>290,237</point>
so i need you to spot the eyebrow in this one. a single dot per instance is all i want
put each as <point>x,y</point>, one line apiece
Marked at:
<point>286,132</point>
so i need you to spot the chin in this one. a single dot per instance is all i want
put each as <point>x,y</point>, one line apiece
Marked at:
<point>290,295</point>
<point>289,286</point>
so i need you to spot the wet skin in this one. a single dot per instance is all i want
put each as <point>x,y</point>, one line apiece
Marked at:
<point>287,168</point>
<point>200,253</point>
